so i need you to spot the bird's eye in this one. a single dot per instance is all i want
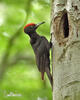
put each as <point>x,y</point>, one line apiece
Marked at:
<point>31,26</point>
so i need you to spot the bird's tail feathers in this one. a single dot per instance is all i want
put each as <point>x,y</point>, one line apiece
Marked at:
<point>42,75</point>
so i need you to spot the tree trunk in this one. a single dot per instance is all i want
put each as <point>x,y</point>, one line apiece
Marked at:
<point>65,30</point>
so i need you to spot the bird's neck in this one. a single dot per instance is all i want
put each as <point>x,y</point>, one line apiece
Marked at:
<point>34,35</point>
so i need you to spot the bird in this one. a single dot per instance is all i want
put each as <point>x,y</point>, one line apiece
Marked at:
<point>41,48</point>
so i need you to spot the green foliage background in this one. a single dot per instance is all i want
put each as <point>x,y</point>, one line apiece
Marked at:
<point>20,79</point>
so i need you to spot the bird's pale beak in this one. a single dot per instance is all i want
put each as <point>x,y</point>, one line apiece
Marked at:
<point>37,25</point>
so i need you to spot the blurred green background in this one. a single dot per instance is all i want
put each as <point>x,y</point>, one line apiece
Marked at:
<point>19,76</point>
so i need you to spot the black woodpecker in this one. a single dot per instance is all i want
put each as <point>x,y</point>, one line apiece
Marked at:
<point>41,48</point>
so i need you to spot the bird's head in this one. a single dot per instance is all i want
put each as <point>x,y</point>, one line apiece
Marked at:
<point>31,28</point>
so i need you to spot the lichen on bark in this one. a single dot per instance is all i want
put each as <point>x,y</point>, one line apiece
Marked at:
<point>65,29</point>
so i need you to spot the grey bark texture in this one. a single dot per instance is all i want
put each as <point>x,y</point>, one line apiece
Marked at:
<point>65,30</point>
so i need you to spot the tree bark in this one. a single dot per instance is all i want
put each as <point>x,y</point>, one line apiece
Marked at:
<point>65,30</point>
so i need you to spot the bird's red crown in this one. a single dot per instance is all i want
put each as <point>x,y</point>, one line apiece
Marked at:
<point>30,24</point>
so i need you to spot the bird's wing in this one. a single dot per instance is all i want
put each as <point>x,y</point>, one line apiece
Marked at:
<point>42,56</point>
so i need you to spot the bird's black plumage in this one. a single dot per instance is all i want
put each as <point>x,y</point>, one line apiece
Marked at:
<point>41,48</point>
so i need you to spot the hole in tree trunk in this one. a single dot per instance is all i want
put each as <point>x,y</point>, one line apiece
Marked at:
<point>65,25</point>
<point>61,28</point>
